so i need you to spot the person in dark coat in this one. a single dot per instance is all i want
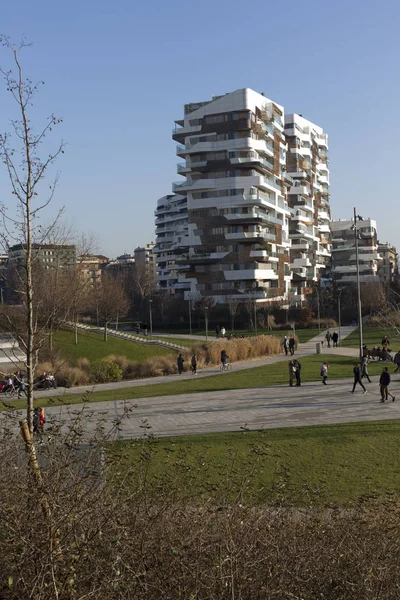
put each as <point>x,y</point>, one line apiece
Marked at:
<point>357,378</point>
<point>335,338</point>
<point>384,383</point>
<point>291,345</point>
<point>364,368</point>
<point>297,366</point>
<point>194,364</point>
<point>180,362</point>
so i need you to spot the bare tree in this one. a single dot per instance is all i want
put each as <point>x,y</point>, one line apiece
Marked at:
<point>27,171</point>
<point>234,309</point>
<point>111,300</point>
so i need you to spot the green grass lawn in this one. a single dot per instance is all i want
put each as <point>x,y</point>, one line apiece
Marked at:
<point>304,335</point>
<point>372,336</point>
<point>256,377</point>
<point>307,466</point>
<point>92,346</point>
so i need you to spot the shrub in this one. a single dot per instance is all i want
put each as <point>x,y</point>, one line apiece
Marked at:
<point>83,363</point>
<point>71,376</point>
<point>104,371</point>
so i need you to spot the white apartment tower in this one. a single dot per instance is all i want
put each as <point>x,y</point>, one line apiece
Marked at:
<point>172,244</point>
<point>344,268</point>
<point>234,152</point>
<point>308,197</point>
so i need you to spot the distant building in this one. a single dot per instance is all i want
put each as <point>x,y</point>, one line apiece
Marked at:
<point>171,249</point>
<point>58,256</point>
<point>122,265</point>
<point>91,267</point>
<point>388,267</point>
<point>344,252</point>
<point>145,260</point>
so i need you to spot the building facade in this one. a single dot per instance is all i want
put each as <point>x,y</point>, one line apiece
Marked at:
<point>235,182</point>
<point>308,198</point>
<point>91,267</point>
<point>145,260</point>
<point>388,267</point>
<point>48,255</point>
<point>344,251</point>
<point>171,246</point>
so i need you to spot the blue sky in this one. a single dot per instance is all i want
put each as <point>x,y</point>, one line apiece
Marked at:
<point>119,73</point>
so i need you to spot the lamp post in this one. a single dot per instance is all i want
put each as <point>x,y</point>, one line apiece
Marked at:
<point>151,317</point>
<point>255,317</point>
<point>339,314</point>
<point>359,310</point>
<point>319,314</point>
<point>190,315</point>
<point>206,319</point>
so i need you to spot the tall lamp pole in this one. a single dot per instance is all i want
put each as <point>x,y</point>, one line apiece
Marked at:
<point>360,330</point>
<point>255,317</point>
<point>206,318</point>
<point>190,316</point>
<point>339,314</point>
<point>319,314</point>
<point>151,317</point>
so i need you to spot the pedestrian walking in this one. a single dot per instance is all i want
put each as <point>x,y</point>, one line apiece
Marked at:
<point>285,345</point>
<point>180,362</point>
<point>297,367</point>
<point>384,382</point>
<point>396,361</point>
<point>335,338</point>
<point>328,338</point>
<point>194,364</point>
<point>42,419</point>
<point>324,372</point>
<point>364,368</point>
<point>223,332</point>
<point>292,373</point>
<point>217,330</point>
<point>291,345</point>
<point>36,420</point>
<point>357,378</point>
<point>21,386</point>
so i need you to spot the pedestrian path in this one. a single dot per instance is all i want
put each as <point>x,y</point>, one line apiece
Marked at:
<point>304,349</point>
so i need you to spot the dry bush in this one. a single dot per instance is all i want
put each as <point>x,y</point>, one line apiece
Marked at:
<point>44,367</point>
<point>325,323</point>
<point>132,370</point>
<point>72,376</point>
<point>123,543</point>
<point>121,361</point>
<point>83,363</point>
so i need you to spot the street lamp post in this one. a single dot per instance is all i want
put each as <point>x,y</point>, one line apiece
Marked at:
<point>190,316</point>
<point>255,317</point>
<point>151,317</point>
<point>339,314</point>
<point>359,310</point>
<point>206,319</point>
<point>319,314</point>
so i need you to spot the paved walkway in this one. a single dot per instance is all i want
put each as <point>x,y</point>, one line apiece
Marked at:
<point>304,349</point>
<point>236,410</point>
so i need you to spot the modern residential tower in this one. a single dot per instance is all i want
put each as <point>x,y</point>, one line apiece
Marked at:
<point>238,217</point>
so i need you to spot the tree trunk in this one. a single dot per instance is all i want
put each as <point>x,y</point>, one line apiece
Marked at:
<point>76,330</point>
<point>105,331</point>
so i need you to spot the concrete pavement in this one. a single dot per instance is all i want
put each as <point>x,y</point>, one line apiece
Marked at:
<point>235,410</point>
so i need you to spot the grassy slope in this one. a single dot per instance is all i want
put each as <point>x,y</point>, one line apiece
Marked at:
<point>268,375</point>
<point>300,466</point>
<point>303,334</point>
<point>372,336</point>
<point>93,347</point>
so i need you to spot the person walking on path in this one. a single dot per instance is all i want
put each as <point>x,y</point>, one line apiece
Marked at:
<point>291,345</point>
<point>21,386</point>
<point>384,383</point>
<point>324,372</point>
<point>328,338</point>
<point>292,372</point>
<point>357,378</point>
<point>180,362</point>
<point>335,338</point>
<point>364,368</point>
<point>224,358</point>
<point>396,361</point>
<point>194,364</point>
<point>285,344</point>
<point>297,366</point>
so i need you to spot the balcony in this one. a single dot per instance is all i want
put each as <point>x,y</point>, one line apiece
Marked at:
<point>250,274</point>
<point>181,150</point>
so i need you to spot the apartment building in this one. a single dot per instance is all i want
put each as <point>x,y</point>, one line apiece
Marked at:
<point>388,267</point>
<point>234,153</point>
<point>172,244</point>
<point>344,251</point>
<point>91,267</point>
<point>308,197</point>
<point>145,259</point>
<point>48,255</point>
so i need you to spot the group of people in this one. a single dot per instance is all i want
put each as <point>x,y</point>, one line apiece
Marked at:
<point>14,381</point>
<point>180,360</point>
<point>289,345</point>
<point>332,337</point>
<point>220,332</point>
<point>294,372</point>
